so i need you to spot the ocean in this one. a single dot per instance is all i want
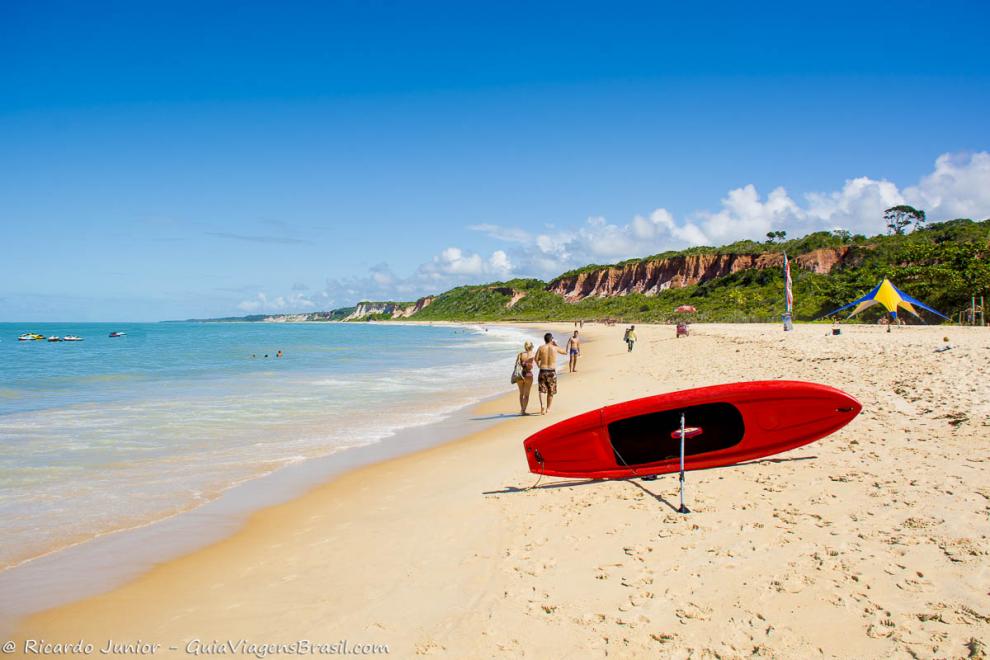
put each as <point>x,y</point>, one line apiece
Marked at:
<point>108,434</point>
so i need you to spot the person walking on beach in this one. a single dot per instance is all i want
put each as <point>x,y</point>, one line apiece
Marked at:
<point>630,337</point>
<point>524,363</point>
<point>573,350</point>
<point>546,360</point>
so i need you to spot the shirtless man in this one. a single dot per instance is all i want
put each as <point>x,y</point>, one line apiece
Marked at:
<point>574,350</point>
<point>546,360</point>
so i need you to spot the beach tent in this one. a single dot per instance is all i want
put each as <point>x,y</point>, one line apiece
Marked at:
<point>890,297</point>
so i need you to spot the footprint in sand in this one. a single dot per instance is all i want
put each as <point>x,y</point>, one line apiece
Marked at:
<point>881,629</point>
<point>638,552</point>
<point>429,647</point>
<point>693,612</point>
<point>960,550</point>
<point>639,580</point>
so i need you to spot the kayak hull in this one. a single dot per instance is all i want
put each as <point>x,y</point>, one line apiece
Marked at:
<point>727,424</point>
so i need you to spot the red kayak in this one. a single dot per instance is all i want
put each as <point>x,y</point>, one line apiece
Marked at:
<point>724,425</point>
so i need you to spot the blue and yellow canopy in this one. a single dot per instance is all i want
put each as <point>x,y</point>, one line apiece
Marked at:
<point>890,297</point>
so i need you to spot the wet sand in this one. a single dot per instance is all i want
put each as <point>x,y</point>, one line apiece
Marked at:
<point>870,543</point>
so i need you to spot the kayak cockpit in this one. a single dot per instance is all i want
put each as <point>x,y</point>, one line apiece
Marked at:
<point>655,437</point>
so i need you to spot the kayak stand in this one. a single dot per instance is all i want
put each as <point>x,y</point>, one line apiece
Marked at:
<point>683,434</point>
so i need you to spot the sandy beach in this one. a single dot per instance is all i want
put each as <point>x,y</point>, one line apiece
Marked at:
<point>870,543</point>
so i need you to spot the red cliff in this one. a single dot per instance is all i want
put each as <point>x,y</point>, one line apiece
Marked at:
<point>650,277</point>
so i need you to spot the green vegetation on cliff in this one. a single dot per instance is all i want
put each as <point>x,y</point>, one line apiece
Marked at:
<point>489,302</point>
<point>942,264</point>
<point>751,295</point>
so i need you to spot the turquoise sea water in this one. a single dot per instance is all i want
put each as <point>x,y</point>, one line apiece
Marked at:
<point>107,434</point>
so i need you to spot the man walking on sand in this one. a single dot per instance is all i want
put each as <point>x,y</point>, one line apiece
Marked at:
<point>630,337</point>
<point>573,350</point>
<point>546,360</point>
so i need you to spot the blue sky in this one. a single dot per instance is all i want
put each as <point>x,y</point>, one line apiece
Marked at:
<point>177,160</point>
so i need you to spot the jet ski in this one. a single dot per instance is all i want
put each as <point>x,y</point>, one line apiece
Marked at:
<point>71,338</point>
<point>30,336</point>
<point>118,334</point>
<point>53,339</point>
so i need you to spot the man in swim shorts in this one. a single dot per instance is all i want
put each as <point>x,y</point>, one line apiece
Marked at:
<point>546,360</point>
<point>574,350</point>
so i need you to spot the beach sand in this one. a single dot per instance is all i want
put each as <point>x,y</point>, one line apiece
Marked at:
<point>870,543</point>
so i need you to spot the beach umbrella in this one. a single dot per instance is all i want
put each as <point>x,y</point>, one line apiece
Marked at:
<point>685,309</point>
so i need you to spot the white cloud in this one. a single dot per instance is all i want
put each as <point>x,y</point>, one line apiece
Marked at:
<point>455,265</point>
<point>509,234</point>
<point>499,263</point>
<point>602,240</point>
<point>655,225</point>
<point>453,261</point>
<point>553,244</point>
<point>382,275</point>
<point>959,186</point>
<point>452,267</point>
<point>262,303</point>
<point>745,215</point>
<point>858,207</point>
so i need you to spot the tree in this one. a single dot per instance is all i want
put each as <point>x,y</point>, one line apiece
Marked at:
<point>773,236</point>
<point>843,235</point>
<point>899,218</point>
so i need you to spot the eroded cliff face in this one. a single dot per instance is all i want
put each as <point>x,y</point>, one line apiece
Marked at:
<point>365,309</point>
<point>654,276</point>
<point>514,294</point>
<point>287,318</point>
<point>303,318</point>
<point>393,310</point>
<point>409,310</point>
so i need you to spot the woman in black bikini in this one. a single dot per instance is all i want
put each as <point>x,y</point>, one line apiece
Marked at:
<point>525,384</point>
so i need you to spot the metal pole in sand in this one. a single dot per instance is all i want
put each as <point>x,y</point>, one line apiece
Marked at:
<point>683,508</point>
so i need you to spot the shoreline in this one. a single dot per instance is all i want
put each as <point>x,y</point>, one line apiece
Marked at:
<point>447,551</point>
<point>66,574</point>
<point>38,583</point>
